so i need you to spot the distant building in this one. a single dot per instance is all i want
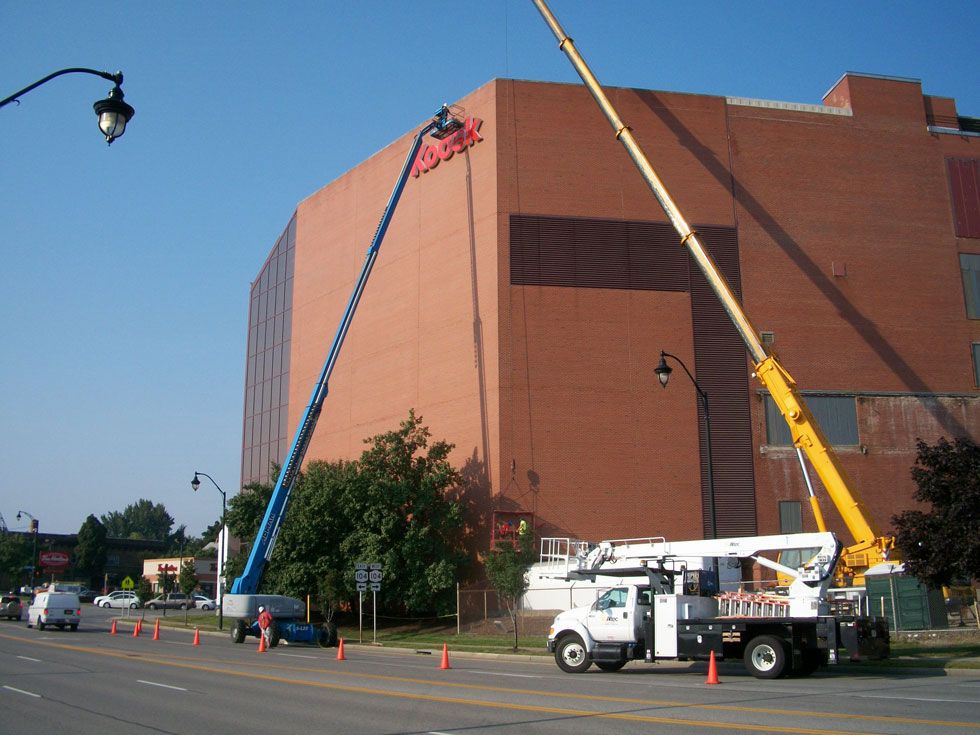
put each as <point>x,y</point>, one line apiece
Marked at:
<point>205,569</point>
<point>529,281</point>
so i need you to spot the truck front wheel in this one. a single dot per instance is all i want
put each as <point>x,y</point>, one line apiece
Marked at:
<point>274,634</point>
<point>765,657</point>
<point>571,656</point>
<point>238,632</point>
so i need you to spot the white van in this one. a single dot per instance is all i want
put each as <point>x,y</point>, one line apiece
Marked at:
<point>55,608</point>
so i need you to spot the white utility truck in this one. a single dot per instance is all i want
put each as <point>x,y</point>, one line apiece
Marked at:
<point>663,603</point>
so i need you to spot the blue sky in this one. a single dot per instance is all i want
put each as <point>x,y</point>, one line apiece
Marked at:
<point>126,270</point>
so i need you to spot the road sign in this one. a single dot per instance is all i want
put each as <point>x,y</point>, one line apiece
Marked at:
<point>361,565</point>
<point>127,584</point>
<point>376,566</point>
<point>361,575</point>
<point>362,586</point>
<point>374,575</point>
<point>375,586</point>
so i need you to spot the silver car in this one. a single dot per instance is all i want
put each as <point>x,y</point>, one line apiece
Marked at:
<point>119,598</point>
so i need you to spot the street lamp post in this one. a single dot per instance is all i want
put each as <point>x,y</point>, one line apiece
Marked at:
<point>223,550</point>
<point>113,112</point>
<point>663,371</point>
<point>34,531</point>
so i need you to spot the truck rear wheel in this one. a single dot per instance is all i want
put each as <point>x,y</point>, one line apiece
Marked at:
<point>238,632</point>
<point>274,634</point>
<point>571,656</point>
<point>765,657</point>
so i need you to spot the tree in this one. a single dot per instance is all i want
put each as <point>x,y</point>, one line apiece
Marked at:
<point>91,551</point>
<point>506,569</point>
<point>188,577</point>
<point>941,545</point>
<point>395,506</point>
<point>15,555</point>
<point>142,519</point>
<point>144,590</point>
<point>405,516</point>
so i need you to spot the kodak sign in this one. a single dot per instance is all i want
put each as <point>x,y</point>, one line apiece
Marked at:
<point>430,155</point>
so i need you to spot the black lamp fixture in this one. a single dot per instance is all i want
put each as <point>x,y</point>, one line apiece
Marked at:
<point>663,370</point>
<point>113,112</point>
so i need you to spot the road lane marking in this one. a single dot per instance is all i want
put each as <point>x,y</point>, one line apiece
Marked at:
<point>21,691</point>
<point>643,703</point>
<point>28,658</point>
<point>503,673</point>
<point>915,699</point>
<point>299,655</point>
<point>158,684</point>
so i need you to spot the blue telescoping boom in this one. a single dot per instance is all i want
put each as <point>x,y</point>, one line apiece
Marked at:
<point>441,126</point>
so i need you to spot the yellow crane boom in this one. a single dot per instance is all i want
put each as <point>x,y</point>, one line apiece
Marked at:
<point>869,547</point>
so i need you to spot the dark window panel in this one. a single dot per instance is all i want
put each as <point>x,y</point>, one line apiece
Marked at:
<point>836,415</point>
<point>964,188</point>
<point>970,267</point>
<point>790,516</point>
<point>976,364</point>
<point>277,362</point>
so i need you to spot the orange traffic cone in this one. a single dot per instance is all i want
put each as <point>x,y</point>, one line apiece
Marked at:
<point>261,642</point>
<point>136,630</point>
<point>156,630</point>
<point>197,637</point>
<point>712,670</point>
<point>113,631</point>
<point>445,657</point>
<point>340,651</point>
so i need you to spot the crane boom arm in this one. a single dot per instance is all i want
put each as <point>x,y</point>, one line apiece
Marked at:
<point>869,546</point>
<point>442,125</point>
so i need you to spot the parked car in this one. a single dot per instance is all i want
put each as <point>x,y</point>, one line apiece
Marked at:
<point>204,603</point>
<point>119,598</point>
<point>174,599</point>
<point>87,595</point>
<point>11,607</point>
<point>55,608</point>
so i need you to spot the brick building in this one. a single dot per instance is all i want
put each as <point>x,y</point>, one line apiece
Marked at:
<point>529,281</point>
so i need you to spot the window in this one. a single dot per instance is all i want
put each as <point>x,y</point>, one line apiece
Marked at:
<point>964,189</point>
<point>970,265</point>
<point>837,416</point>
<point>976,364</point>
<point>790,516</point>
<point>615,597</point>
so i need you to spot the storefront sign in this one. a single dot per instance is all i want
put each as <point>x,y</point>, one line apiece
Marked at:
<point>54,559</point>
<point>430,155</point>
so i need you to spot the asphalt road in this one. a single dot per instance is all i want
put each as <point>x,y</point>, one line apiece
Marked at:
<point>91,682</point>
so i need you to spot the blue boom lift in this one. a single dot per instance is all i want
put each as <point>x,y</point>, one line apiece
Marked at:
<point>288,612</point>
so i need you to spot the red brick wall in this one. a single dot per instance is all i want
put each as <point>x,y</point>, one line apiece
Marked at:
<point>548,392</point>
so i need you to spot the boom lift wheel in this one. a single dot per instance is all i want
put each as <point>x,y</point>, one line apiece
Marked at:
<point>238,632</point>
